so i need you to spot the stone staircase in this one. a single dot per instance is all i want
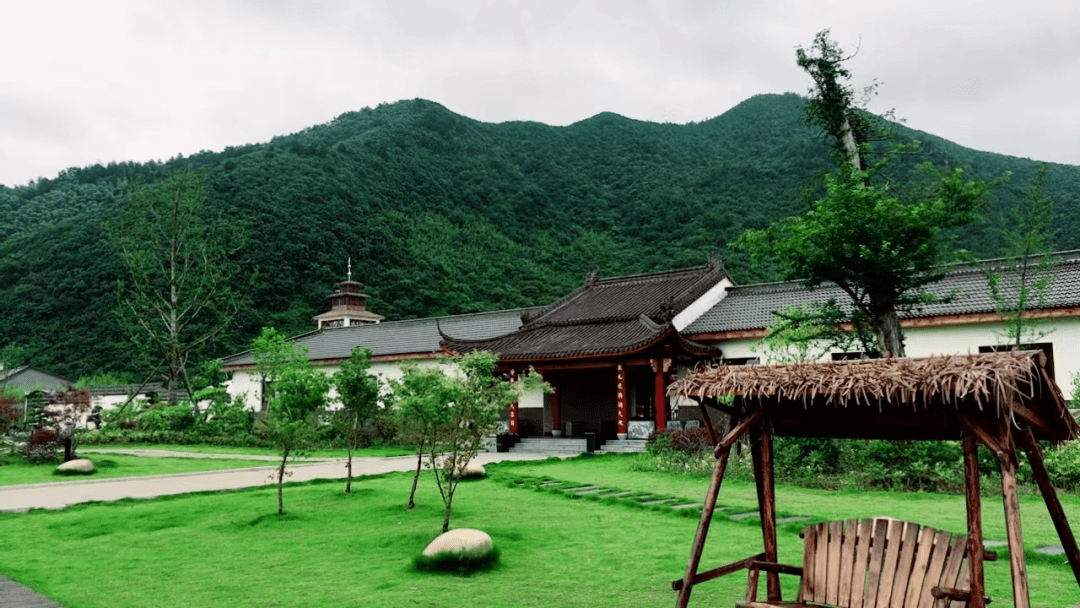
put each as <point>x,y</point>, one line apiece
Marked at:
<point>622,446</point>
<point>566,447</point>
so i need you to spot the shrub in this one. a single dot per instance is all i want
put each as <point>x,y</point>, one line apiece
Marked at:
<point>175,418</point>
<point>463,564</point>
<point>42,446</point>
<point>1063,464</point>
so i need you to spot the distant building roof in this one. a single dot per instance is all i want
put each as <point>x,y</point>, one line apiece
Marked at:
<point>964,291</point>
<point>32,378</point>
<point>604,316</point>
<point>397,338</point>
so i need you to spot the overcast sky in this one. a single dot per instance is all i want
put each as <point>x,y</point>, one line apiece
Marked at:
<point>88,82</point>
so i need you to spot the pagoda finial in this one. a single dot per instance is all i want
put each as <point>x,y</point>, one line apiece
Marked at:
<point>348,274</point>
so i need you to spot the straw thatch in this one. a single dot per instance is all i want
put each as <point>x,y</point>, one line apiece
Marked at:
<point>995,384</point>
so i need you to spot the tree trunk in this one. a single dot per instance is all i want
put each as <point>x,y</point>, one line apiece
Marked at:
<point>416,477</point>
<point>446,517</point>
<point>280,480</point>
<point>348,468</point>
<point>890,338</point>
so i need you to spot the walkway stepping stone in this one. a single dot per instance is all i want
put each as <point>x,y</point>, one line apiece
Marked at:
<point>792,519</point>
<point>592,492</point>
<point>653,503</point>
<point>550,484</point>
<point>582,489</point>
<point>690,505</point>
<point>741,516</point>
<point>15,595</point>
<point>615,495</point>
<point>990,544</point>
<point>1051,550</point>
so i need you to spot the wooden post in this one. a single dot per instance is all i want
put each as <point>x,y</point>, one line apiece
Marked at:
<point>659,395</point>
<point>1007,459</point>
<point>512,413</point>
<point>974,521</point>
<point>620,385</point>
<point>1053,505</point>
<point>556,408</point>
<point>761,451</point>
<point>703,528</point>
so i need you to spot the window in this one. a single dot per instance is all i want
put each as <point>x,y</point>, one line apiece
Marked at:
<point>856,355</point>
<point>741,361</point>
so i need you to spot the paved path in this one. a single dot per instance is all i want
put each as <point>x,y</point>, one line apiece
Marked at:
<point>58,495</point>
<point>171,454</point>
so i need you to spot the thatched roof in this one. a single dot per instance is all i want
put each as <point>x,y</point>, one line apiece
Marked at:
<point>894,398</point>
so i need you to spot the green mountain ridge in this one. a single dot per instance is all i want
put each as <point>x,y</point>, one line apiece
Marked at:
<point>443,214</point>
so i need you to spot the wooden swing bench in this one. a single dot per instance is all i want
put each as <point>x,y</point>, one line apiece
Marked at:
<point>872,563</point>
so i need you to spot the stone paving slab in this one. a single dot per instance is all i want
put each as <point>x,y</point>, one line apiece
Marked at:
<point>689,505</point>
<point>615,495</point>
<point>742,516</point>
<point>791,519</point>
<point>1051,550</point>
<point>15,595</point>
<point>592,492</point>
<point>653,503</point>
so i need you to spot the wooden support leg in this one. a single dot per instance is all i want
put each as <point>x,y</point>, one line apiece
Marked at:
<point>703,528</point>
<point>761,451</point>
<point>1007,458</point>
<point>1050,497</point>
<point>974,521</point>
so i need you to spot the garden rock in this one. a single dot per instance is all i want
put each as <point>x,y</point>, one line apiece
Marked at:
<point>473,470</point>
<point>80,465</point>
<point>463,540</point>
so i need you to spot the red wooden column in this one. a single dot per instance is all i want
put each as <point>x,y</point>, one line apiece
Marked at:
<point>659,367</point>
<point>512,414</point>
<point>556,409</point>
<point>620,386</point>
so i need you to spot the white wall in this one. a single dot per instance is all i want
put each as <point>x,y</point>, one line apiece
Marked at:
<point>1064,334</point>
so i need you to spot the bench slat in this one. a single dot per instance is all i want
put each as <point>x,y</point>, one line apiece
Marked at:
<point>893,542</point>
<point>877,561</point>
<point>847,561</point>
<point>832,576</point>
<point>809,579</point>
<point>913,592</point>
<point>904,564</point>
<point>821,562</point>
<point>862,561</point>
<point>942,547</point>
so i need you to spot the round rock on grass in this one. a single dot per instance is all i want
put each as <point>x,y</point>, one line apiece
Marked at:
<point>79,466</point>
<point>462,541</point>
<point>473,470</point>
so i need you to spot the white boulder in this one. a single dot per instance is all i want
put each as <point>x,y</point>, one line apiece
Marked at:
<point>463,540</point>
<point>79,465</point>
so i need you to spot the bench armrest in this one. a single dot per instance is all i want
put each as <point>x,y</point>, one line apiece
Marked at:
<point>724,570</point>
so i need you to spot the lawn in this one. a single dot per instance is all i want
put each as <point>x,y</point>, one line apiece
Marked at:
<point>14,471</point>
<point>203,448</point>
<point>331,550</point>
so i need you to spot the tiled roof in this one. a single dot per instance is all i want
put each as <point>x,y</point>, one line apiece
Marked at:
<point>964,290</point>
<point>399,337</point>
<point>605,316</point>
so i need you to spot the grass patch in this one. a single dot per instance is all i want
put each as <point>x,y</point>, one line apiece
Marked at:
<point>203,448</point>
<point>330,550</point>
<point>14,471</point>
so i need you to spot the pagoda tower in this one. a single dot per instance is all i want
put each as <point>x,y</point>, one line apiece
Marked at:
<point>348,306</point>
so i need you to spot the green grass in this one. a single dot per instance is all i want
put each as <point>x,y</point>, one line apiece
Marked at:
<point>330,550</point>
<point>202,448</point>
<point>14,471</point>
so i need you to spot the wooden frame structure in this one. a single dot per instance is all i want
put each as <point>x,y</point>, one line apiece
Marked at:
<point>1003,401</point>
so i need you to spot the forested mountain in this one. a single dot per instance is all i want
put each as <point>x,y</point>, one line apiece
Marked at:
<point>443,214</point>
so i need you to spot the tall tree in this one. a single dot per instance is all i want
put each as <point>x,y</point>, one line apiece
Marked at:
<point>881,246</point>
<point>358,393</point>
<point>419,401</point>
<point>294,391</point>
<point>182,278</point>
<point>1020,282</point>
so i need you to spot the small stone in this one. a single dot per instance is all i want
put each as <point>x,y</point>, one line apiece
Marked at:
<point>80,465</point>
<point>473,470</point>
<point>463,540</point>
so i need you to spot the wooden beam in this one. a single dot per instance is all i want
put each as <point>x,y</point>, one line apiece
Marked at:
<point>724,570</point>
<point>703,529</point>
<point>761,453</point>
<point>737,432</point>
<point>702,403</point>
<point>1053,504</point>
<point>974,522</point>
<point>1017,563</point>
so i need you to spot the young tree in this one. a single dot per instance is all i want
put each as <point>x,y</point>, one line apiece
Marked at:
<point>809,332</point>
<point>419,401</point>
<point>879,247</point>
<point>294,391</point>
<point>468,408</point>
<point>358,393</point>
<point>182,284</point>
<point>1021,282</point>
